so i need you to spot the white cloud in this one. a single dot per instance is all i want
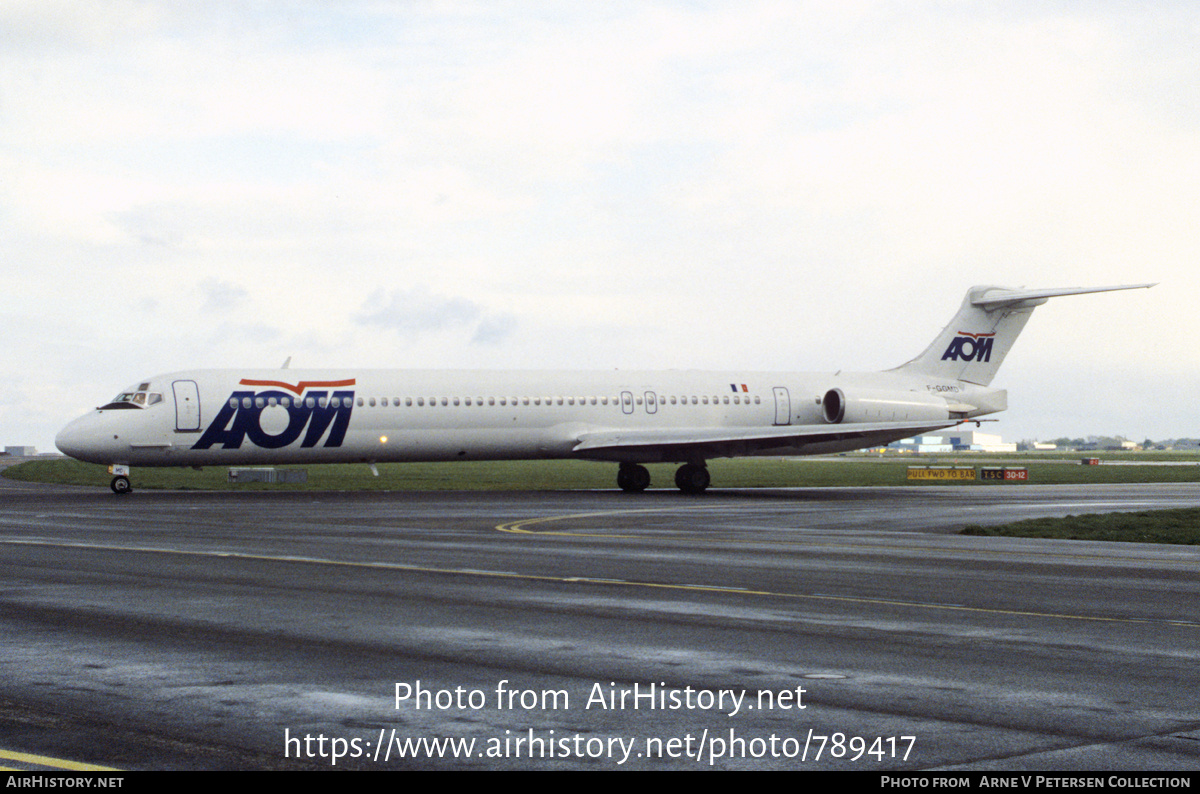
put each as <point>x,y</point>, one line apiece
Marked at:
<point>221,296</point>
<point>417,311</point>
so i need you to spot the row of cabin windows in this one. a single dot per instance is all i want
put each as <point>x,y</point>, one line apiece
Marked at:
<point>339,402</point>
<point>503,401</point>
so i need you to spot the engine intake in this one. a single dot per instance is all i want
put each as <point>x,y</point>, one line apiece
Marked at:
<point>833,406</point>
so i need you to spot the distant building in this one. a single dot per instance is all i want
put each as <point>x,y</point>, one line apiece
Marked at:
<point>20,452</point>
<point>974,441</point>
<point>957,441</point>
<point>925,444</point>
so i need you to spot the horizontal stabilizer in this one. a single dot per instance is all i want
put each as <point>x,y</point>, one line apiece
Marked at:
<point>996,297</point>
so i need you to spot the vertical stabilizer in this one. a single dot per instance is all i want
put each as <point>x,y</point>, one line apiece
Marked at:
<point>973,346</point>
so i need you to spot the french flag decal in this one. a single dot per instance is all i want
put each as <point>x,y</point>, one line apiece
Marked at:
<point>734,386</point>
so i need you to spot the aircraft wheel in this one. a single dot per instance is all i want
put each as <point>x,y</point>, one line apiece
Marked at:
<point>692,478</point>
<point>633,478</point>
<point>120,485</point>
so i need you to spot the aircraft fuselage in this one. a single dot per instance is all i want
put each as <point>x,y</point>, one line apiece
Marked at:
<point>226,417</point>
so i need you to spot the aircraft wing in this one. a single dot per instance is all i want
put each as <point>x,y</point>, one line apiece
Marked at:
<point>670,444</point>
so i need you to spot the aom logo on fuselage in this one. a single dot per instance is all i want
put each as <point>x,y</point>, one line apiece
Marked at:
<point>305,408</point>
<point>970,347</point>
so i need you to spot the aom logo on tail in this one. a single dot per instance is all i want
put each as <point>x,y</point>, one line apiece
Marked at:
<point>970,347</point>
<point>276,418</point>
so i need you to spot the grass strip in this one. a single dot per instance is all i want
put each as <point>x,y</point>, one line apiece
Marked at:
<point>1179,526</point>
<point>548,475</point>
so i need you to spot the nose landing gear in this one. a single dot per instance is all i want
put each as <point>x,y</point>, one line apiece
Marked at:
<point>120,482</point>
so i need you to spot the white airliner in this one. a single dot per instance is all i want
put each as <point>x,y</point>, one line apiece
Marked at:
<point>284,416</point>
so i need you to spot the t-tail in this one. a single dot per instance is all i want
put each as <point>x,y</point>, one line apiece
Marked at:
<point>973,346</point>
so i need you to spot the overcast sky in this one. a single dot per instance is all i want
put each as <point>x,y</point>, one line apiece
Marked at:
<point>743,185</point>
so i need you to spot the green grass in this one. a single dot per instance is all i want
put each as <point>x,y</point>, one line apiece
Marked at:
<point>849,470</point>
<point>1151,526</point>
<point>1161,526</point>
<point>470,476</point>
<point>522,475</point>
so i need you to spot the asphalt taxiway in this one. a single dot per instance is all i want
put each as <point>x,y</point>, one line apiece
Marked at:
<point>178,630</point>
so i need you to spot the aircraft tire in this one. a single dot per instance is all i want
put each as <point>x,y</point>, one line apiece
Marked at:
<point>692,478</point>
<point>633,478</point>
<point>120,485</point>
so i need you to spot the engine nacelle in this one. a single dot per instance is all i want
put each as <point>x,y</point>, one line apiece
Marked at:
<point>882,405</point>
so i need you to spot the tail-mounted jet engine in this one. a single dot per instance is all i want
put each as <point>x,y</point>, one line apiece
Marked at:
<point>881,405</point>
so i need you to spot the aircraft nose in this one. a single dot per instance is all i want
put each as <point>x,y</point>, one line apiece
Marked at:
<point>79,439</point>
<point>69,440</point>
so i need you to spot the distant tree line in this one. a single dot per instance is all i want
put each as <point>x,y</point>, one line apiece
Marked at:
<point>1118,442</point>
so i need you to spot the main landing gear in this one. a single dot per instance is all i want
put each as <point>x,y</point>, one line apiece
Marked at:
<point>690,478</point>
<point>632,478</point>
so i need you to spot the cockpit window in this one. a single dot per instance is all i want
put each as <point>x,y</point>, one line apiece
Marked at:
<point>142,398</point>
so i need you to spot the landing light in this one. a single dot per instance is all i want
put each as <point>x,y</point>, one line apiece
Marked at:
<point>383,439</point>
